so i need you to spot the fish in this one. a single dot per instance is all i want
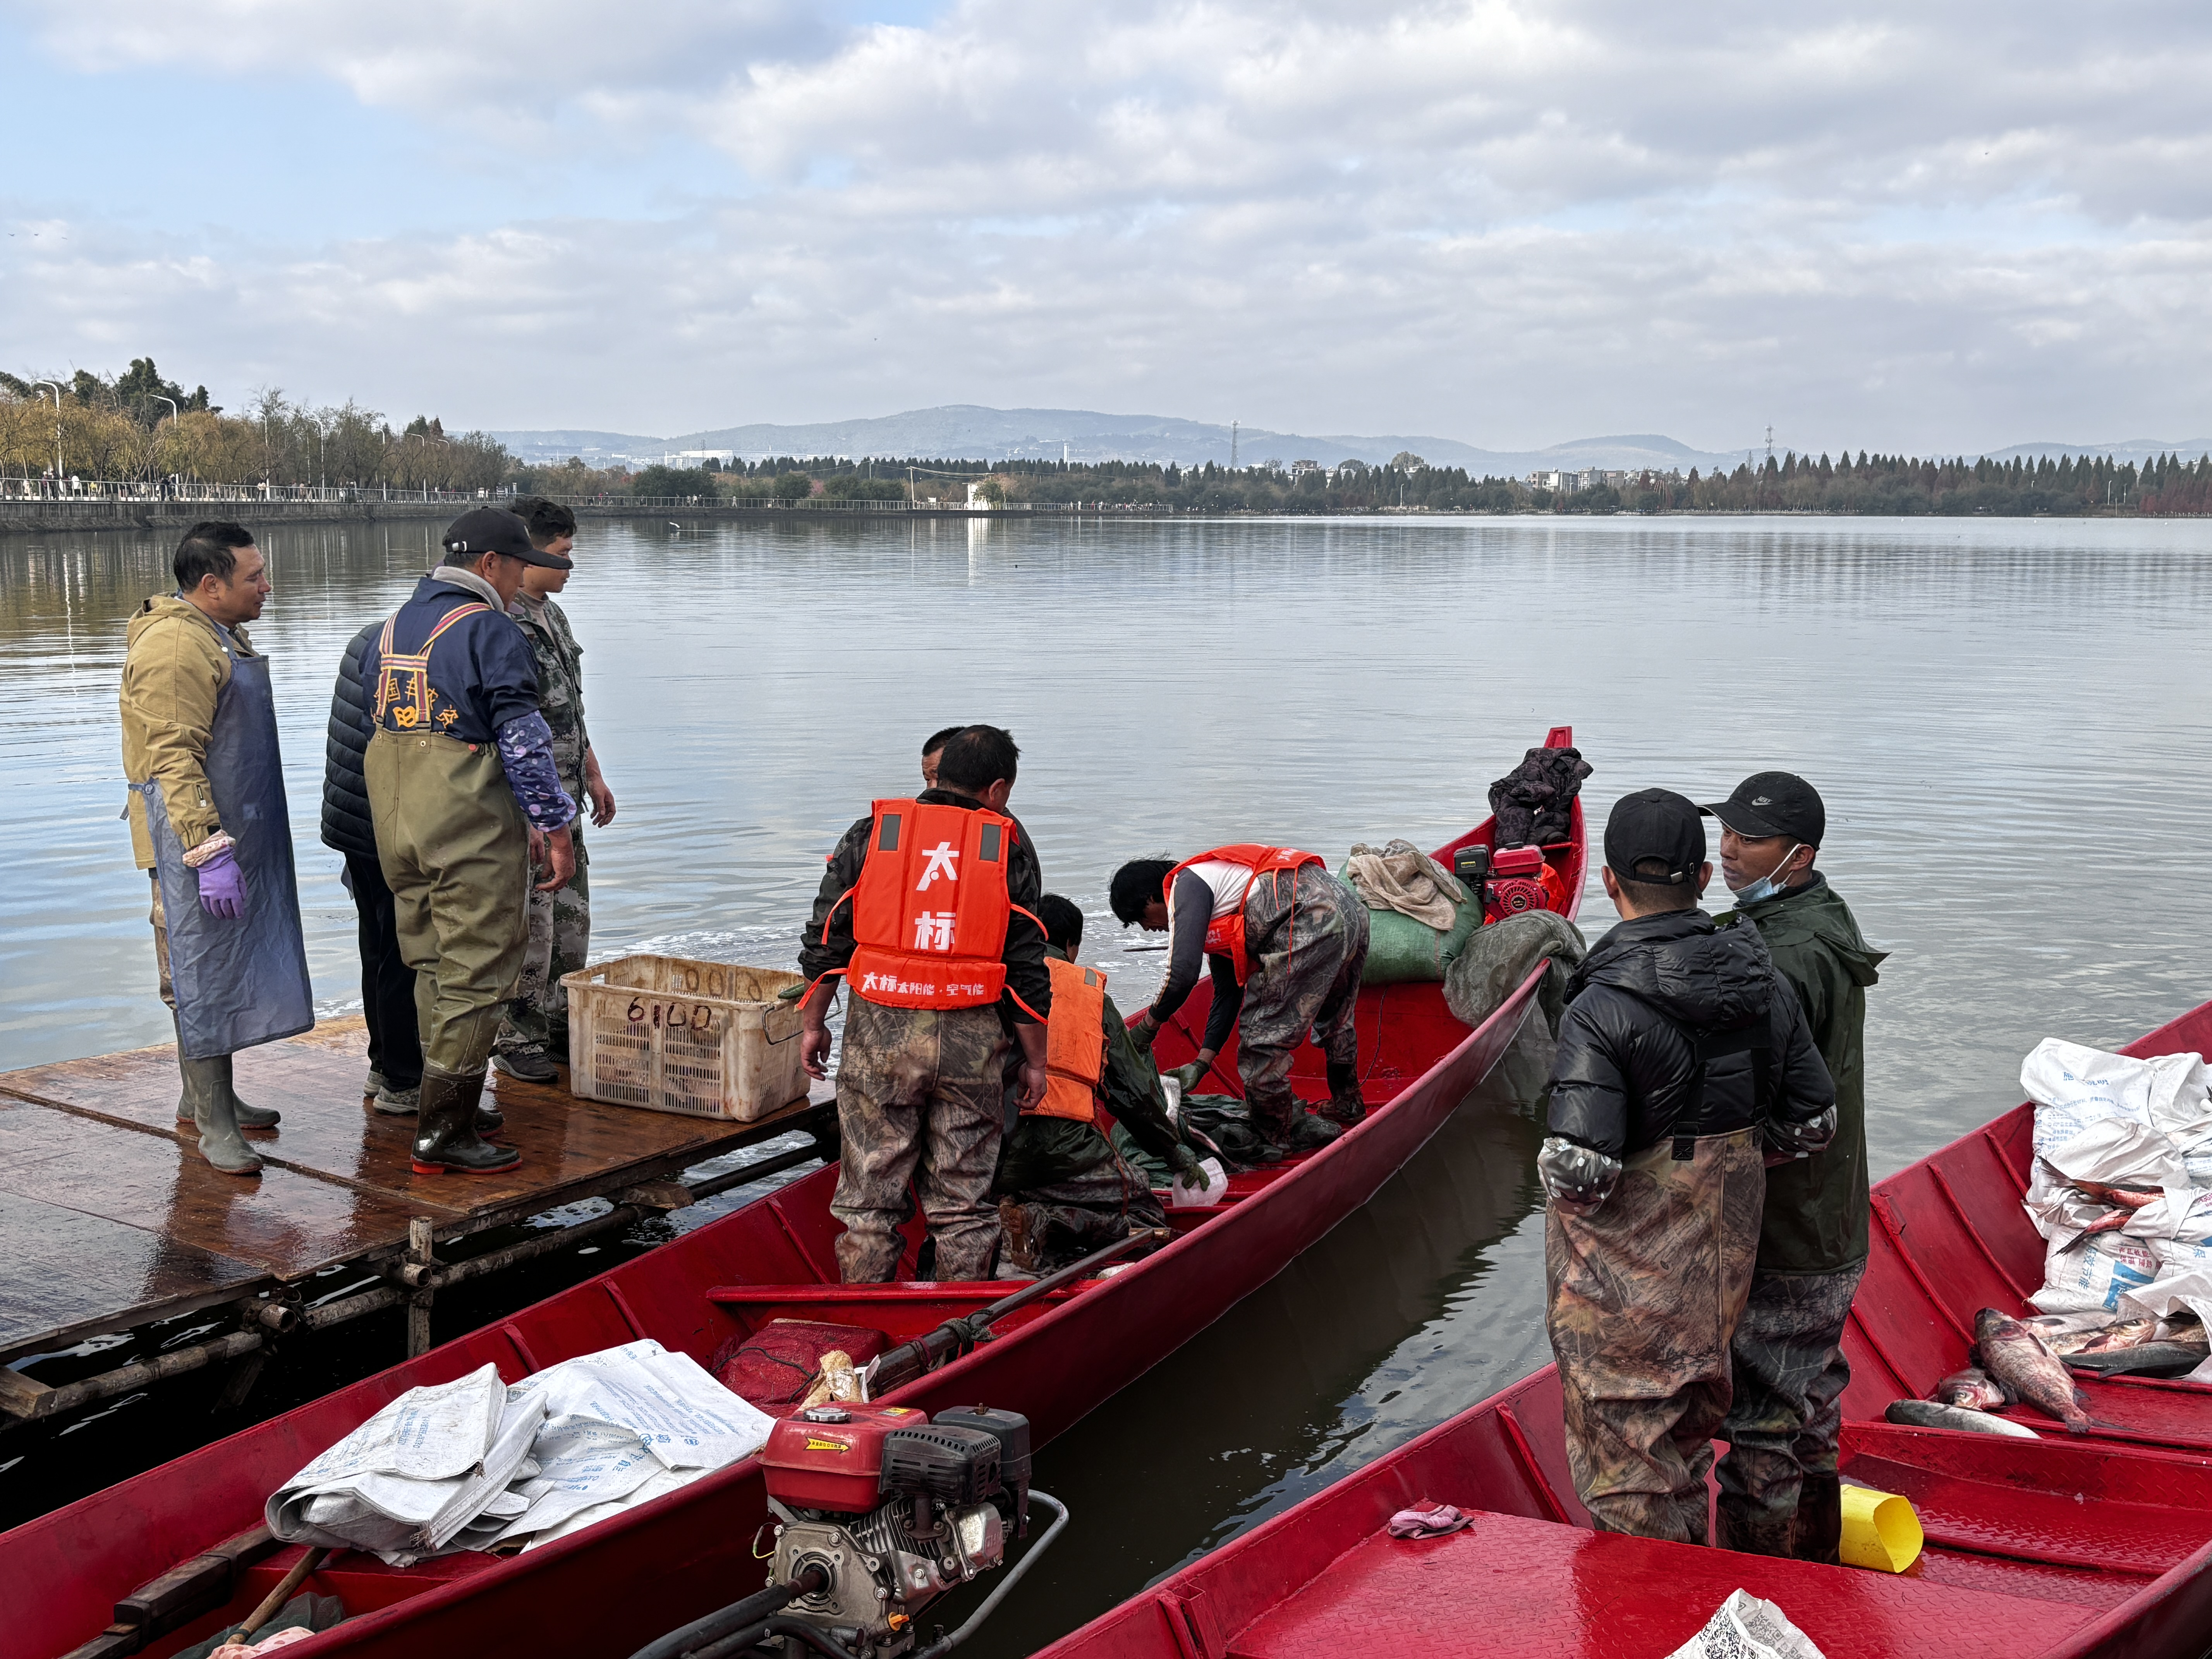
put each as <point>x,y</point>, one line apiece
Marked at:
<point>2121,1195</point>
<point>2019,1360</point>
<point>1971,1389</point>
<point>1933,1414</point>
<point>2128,1334</point>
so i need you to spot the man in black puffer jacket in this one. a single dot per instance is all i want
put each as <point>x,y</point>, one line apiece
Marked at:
<point>1683,1066</point>
<point>388,983</point>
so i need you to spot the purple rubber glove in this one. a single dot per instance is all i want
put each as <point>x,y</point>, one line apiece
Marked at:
<point>222,885</point>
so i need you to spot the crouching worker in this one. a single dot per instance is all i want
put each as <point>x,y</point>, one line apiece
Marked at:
<point>1285,941</point>
<point>928,911</point>
<point>1063,1190</point>
<point>1684,1066</point>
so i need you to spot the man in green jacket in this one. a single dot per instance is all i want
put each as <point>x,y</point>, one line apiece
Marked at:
<point>1780,1494</point>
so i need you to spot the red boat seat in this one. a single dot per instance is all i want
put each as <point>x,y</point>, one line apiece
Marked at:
<point>773,1366</point>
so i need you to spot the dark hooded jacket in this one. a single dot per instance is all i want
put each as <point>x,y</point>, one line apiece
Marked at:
<point>1816,1207</point>
<point>1622,1076</point>
<point>347,825</point>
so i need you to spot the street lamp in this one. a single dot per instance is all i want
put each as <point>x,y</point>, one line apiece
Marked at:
<point>57,391</point>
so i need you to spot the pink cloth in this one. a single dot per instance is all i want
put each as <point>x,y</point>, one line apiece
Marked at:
<point>1433,1521</point>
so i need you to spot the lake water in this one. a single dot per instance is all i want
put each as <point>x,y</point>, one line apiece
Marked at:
<point>2007,719</point>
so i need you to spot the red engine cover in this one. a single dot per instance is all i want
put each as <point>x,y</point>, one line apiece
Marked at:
<point>814,1464</point>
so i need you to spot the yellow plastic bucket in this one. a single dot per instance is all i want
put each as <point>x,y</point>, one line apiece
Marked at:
<point>1880,1531</point>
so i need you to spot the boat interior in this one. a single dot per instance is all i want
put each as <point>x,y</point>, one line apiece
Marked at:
<point>713,1293</point>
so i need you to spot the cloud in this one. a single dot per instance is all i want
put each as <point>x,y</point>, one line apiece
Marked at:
<point>1503,221</point>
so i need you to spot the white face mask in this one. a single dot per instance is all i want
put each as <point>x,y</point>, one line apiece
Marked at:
<point>1769,884</point>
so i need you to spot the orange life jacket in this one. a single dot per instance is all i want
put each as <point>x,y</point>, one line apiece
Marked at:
<point>1225,935</point>
<point>930,910</point>
<point>1074,1043</point>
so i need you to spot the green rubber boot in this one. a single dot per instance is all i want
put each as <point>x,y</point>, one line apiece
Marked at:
<point>247,1117</point>
<point>207,1091</point>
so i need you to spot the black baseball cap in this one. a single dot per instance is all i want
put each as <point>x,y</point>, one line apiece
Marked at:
<point>1655,824</point>
<point>495,530</point>
<point>1774,804</point>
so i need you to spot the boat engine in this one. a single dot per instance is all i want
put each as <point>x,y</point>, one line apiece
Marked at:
<point>888,1510</point>
<point>1512,880</point>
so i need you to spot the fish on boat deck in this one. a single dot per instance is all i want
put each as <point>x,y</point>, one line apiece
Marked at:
<point>1971,1389</point>
<point>2122,1195</point>
<point>2017,1359</point>
<point>1934,1414</point>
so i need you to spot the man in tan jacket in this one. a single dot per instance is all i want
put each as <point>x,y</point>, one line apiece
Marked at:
<point>209,825</point>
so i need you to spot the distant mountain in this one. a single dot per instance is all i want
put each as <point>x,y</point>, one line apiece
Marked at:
<point>597,448</point>
<point>969,432</point>
<point>2128,449</point>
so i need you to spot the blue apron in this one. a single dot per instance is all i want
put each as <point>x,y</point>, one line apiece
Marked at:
<point>243,980</point>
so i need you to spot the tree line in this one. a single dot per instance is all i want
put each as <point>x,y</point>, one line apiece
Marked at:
<point>138,425</point>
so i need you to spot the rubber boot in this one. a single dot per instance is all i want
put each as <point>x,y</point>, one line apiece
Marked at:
<point>248,1117</point>
<point>1738,1527</point>
<point>207,1091</point>
<point>1344,1104</point>
<point>1021,1244</point>
<point>1286,1125</point>
<point>1817,1532</point>
<point>446,1140</point>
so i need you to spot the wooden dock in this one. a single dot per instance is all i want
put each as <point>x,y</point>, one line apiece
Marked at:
<point>110,1219</point>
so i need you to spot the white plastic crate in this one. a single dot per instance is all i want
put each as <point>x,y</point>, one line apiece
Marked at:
<point>707,1039</point>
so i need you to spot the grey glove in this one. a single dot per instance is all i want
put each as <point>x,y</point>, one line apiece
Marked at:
<point>1576,1176</point>
<point>1189,1077</point>
<point>1800,1140</point>
<point>1145,1028</point>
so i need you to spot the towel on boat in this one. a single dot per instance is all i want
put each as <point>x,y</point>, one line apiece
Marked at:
<point>1428,1521</point>
<point>1401,877</point>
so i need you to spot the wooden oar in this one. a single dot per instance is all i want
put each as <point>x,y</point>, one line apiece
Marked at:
<point>277,1597</point>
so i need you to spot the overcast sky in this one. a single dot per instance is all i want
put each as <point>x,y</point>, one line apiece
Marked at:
<point>1893,226</point>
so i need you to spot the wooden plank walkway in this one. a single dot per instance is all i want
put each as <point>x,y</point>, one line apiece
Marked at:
<point>110,1219</point>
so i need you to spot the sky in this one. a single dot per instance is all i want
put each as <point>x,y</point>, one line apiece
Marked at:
<point>1890,225</point>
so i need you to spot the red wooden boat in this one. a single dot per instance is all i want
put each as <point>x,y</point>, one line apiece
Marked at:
<point>2063,1547</point>
<point>615,1586</point>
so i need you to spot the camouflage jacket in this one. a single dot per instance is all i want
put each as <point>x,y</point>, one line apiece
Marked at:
<point>560,662</point>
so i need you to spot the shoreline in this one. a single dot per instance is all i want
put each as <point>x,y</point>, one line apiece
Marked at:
<point>36,518</point>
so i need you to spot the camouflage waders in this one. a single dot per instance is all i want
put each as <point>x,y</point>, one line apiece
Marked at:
<point>560,938</point>
<point>1304,977</point>
<point>1780,1494</point>
<point>1643,1294</point>
<point>919,1098</point>
<point>1064,1192</point>
<point>455,852</point>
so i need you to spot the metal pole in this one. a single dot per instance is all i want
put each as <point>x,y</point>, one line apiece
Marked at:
<point>418,1301</point>
<point>57,391</point>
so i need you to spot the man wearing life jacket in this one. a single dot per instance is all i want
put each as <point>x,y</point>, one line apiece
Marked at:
<point>463,790</point>
<point>1285,941</point>
<point>1063,1189</point>
<point>928,913</point>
